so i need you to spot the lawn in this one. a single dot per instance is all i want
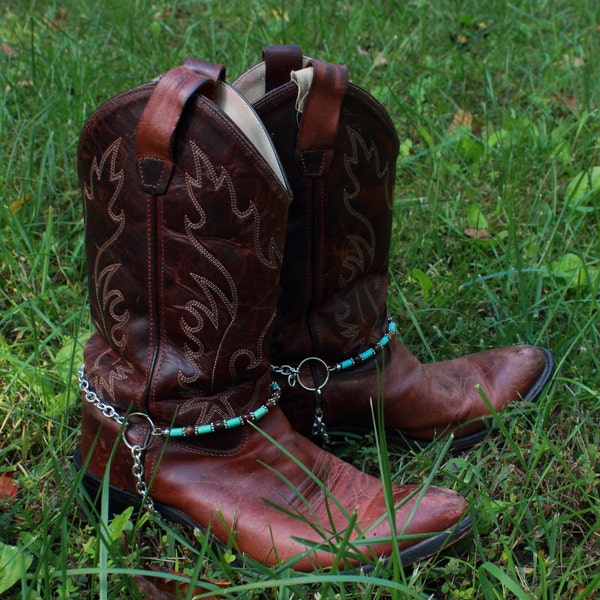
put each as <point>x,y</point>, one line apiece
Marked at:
<point>495,242</point>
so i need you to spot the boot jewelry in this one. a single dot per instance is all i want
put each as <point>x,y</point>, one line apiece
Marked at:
<point>294,375</point>
<point>176,432</point>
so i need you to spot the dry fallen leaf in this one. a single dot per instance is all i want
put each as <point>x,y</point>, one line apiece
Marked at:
<point>17,205</point>
<point>478,234</point>
<point>569,101</point>
<point>461,118</point>
<point>57,20</point>
<point>9,50</point>
<point>380,60</point>
<point>8,489</point>
<point>573,61</point>
<point>464,118</point>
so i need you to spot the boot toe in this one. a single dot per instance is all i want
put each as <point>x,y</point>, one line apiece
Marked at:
<point>542,368</point>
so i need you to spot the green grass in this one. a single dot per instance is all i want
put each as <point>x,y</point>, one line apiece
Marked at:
<point>527,73</point>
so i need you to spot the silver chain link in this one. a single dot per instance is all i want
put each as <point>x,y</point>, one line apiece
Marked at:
<point>319,428</point>
<point>93,398</point>
<point>294,376</point>
<point>138,472</point>
<point>136,450</point>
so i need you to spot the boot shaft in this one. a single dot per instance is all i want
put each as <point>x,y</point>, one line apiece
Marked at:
<point>185,226</point>
<point>338,147</point>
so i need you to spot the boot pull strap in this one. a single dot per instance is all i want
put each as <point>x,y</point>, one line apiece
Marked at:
<point>280,61</point>
<point>158,124</point>
<point>320,118</point>
<point>214,71</point>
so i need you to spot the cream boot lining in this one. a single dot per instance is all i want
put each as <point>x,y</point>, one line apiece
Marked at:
<point>233,104</point>
<point>252,83</point>
<point>303,79</point>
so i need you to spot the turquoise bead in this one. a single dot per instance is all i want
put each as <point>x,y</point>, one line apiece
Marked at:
<point>231,423</point>
<point>260,412</point>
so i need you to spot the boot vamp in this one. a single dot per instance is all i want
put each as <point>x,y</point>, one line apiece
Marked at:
<point>453,395</point>
<point>427,400</point>
<point>277,509</point>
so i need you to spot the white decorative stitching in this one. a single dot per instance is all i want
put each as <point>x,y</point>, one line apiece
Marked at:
<point>109,299</point>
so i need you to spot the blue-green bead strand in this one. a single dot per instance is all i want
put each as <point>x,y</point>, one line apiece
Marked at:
<point>233,423</point>
<point>260,412</point>
<point>204,429</point>
<point>367,354</point>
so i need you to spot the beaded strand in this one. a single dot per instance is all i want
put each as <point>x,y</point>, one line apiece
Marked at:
<point>251,417</point>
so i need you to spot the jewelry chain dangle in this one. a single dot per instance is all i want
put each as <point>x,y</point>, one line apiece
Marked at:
<point>138,472</point>
<point>294,375</point>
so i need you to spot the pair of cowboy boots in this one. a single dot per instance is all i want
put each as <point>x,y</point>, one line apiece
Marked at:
<point>237,243</point>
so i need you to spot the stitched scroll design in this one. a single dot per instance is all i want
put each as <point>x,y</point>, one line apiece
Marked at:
<point>111,317</point>
<point>362,157</point>
<point>219,292</point>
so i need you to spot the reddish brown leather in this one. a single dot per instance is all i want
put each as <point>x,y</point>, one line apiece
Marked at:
<point>158,124</point>
<point>242,495</point>
<point>213,71</point>
<point>163,275</point>
<point>335,281</point>
<point>320,119</point>
<point>279,62</point>
<point>183,291</point>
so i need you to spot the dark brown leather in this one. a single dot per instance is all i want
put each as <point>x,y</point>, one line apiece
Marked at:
<point>158,124</point>
<point>280,61</point>
<point>213,71</point>
<point>335,280</point>
<point>334,276</point>
<point>183,290</point>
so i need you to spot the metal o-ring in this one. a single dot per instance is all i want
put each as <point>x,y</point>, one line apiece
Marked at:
<point>308,387</point>
<point>126,427</point>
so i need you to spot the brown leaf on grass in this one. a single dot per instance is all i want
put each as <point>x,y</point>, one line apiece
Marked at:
<point>8,490</point>
<point>161,588</point>
<point>478,234</point>
<point>461,118</point>
<point>57,20</point>
<point>380,60</point>
<point>9,50</point>
<point>464,118</point>
<point>568,101</point>
<point>17,205</point>
<point>573,61</point>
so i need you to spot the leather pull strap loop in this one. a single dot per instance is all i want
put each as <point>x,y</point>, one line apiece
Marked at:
<point>320,118</point>
<point>280,61</point>
<point>158,124</point>
<point>214,71</point>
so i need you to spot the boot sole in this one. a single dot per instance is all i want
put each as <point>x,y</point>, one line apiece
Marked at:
<point>120,499</point>
<point>396,438</point>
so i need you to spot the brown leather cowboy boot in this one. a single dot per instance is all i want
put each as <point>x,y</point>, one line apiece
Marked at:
<point>185,215</point>
<point>335,348</point>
